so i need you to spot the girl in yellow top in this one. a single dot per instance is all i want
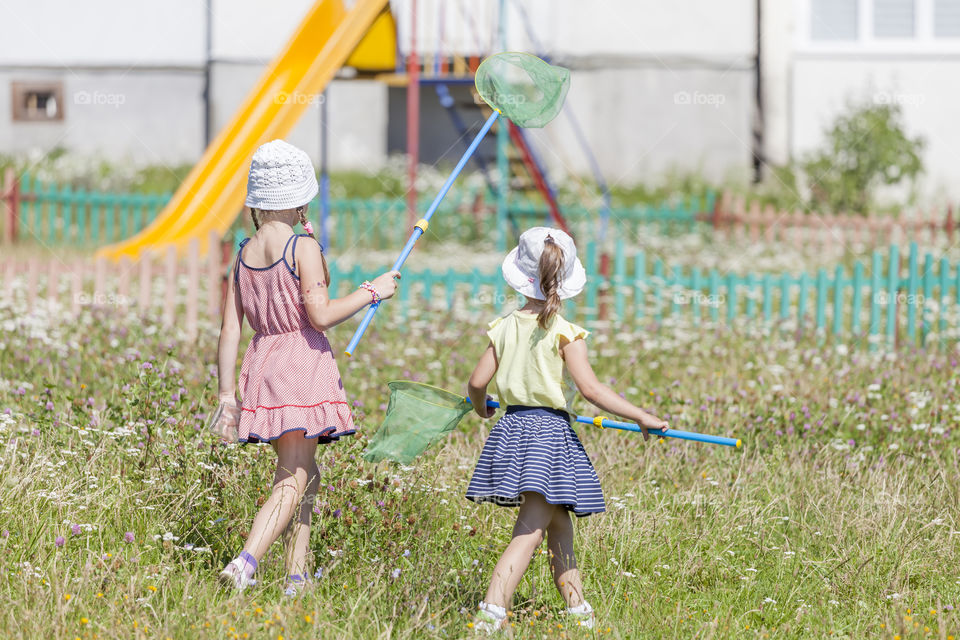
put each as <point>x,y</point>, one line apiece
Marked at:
<point>533,459</point>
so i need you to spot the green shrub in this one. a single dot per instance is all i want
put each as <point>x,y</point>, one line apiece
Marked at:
<point>866,147</point>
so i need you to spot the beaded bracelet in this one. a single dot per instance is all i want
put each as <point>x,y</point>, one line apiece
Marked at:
<point>373,291</point>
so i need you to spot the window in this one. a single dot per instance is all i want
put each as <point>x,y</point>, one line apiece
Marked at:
<point>946,18</point>
<point>890,26</point>
<point>833,19</point>
<point>893,18</point>
<point>37,101</point>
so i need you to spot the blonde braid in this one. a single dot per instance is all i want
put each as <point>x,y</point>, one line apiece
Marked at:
<point>323,258</point>
<point>550,270</point>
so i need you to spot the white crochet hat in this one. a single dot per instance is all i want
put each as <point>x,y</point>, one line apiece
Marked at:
<point>281,177</point>
<point>521,266</point>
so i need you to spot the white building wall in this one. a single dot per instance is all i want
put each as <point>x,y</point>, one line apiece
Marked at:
<point>131,74</point>
<point>644,122</point>
<point>254,30</point>
<point>630,116</point>
<point>690,29</point>
<point>824,85</point>
<point>143,116</point>
<point>117,33</point>
<point>655,86</point>
<point>915,72</point>
<point>356,112</point>
<point>570,29</point>
<point>574,28</point>
<point>635,64</point>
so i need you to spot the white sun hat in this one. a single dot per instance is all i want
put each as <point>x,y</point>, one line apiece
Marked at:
<point>281,177</point>
<point>521,266</point>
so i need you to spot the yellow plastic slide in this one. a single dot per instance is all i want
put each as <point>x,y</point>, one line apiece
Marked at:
<point>212,195</point>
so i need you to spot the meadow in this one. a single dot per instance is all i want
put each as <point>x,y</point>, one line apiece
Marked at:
<point>836,519</point>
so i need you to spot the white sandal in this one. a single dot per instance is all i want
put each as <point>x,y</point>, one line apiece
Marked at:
<point>293,588</point>
<point>233,578</point>
<point>581,616</point>
<point>487,622</point>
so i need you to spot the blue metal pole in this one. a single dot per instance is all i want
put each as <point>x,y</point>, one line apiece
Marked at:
<point>421,226</point>
<point>324,177</point>
<point>607,423</point>
<point>503,139</point>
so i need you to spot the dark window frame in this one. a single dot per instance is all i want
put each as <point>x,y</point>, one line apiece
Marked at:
<point>19,91</point>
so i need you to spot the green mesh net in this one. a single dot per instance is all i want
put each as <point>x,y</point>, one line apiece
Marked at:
<point>523,87</point>
<point>418,415</point>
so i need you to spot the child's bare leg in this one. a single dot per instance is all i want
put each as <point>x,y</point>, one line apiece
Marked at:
<point>295,460</point>
<point>562,560</point>
<point>296,537</point>
<point>535,514</point>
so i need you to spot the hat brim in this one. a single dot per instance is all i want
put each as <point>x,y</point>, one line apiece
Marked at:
<point>572,284</point>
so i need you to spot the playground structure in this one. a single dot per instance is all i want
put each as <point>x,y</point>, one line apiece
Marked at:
<point>365,38</point>
<point>500,80</point>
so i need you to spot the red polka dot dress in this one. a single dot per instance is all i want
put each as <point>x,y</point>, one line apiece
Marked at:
<point>289,380</point>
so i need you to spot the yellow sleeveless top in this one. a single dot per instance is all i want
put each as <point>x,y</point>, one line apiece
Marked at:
<point>530,369</point>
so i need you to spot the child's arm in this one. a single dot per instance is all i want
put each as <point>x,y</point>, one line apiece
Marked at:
<point>479,379</point>
<point>321,310</point>
<point>599,394</point>
<point>230,330</point>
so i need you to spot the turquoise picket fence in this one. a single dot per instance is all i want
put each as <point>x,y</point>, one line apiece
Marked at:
<point>678,215</point>
<point>58,215</point>
<point>55,215</point>
<point>382,224</point>
<point>876,300</point>
<point>880,301</point>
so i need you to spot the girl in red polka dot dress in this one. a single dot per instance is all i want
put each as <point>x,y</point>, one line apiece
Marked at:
<point>291,390</point>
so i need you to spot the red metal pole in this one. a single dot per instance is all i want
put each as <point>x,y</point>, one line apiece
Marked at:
<point>538,178</point>
<point>716,211</point>
<point>11,193</point>
<point>5,191</point>
<point>15,209</point>
<point>948,224</point>
<point>413,117</point>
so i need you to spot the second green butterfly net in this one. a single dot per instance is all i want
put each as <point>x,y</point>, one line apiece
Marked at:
<point>417,416</point>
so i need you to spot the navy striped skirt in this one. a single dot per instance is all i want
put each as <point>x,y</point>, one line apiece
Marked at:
<point>536,449</point>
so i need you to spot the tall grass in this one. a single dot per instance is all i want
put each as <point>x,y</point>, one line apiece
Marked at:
<point>836,519</point>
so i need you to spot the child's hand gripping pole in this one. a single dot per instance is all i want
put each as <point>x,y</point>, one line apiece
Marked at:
<point>421,226</point>
<point>607,423</point>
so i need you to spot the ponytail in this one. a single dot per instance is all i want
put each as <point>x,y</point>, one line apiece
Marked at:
<point>550,270</point>
<point>323,258</point>
<point>253,216</point>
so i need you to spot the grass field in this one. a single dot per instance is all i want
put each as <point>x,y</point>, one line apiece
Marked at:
<point>836,519</point>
